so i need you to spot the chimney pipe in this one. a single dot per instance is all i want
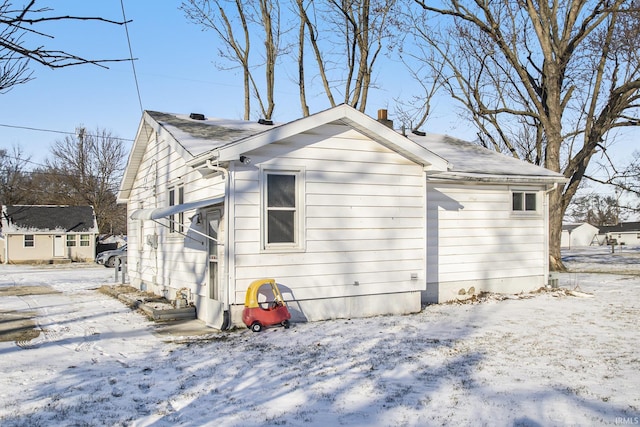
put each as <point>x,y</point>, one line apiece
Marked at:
<point>382,118</point>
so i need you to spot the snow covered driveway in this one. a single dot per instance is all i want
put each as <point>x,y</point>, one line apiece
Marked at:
<point>538,359</point>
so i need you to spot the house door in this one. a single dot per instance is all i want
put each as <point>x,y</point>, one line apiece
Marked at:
<point>215,301</point>
<point>58,246</point>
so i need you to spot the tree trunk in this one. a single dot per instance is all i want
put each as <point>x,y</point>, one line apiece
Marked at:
<point>555,230</point>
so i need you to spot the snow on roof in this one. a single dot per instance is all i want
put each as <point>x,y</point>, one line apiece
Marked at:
<point>466,157</point>
<point>200,136</point>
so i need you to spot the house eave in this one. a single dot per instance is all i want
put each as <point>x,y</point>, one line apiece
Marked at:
<point>496,179</point>
<point>341,115</point>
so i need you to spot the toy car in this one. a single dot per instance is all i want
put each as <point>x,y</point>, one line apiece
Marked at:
<point>255,316</point>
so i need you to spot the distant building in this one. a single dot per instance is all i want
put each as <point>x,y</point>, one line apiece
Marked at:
<point>577,235</point>
<point>47,234</point>
<point>625,233</point>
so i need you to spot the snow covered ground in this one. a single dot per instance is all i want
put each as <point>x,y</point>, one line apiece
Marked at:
<point>546,358</point>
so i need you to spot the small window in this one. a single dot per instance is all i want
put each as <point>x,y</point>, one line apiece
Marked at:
<point>71,240</point>
<point>282,209</point>
<point>29,241</point>
<point>85,240</point>
<point>176,221</point>
<point>524,202</point>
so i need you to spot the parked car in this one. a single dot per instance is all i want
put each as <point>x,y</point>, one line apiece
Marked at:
<point>110,258</point>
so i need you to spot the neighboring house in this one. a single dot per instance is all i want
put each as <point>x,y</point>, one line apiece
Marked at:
<point>625,233</point>
<point>48,234</point>
<point>349,216</point>
<point>576,235</point>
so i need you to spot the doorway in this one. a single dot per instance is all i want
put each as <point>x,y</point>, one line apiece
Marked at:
<point>58,246</point>
<point>215,256</point>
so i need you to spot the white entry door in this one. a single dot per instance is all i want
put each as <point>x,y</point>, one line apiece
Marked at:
<point>58,246</point>
<point>215,303</point>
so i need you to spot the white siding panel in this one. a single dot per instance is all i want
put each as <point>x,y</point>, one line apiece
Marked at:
<point>474,236</point>
<point>178,261</point>
<point>364,219</point>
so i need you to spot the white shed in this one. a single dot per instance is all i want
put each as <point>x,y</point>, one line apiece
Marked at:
<point>577,235</point>
<point>349,216</point>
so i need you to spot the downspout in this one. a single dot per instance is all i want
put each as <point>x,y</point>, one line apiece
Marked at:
<point>226,316</point>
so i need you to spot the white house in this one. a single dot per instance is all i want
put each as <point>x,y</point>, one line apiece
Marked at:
<point>349,216</point>
<point>576,235</point>
<point>624,233</point>
<point>47,234</point>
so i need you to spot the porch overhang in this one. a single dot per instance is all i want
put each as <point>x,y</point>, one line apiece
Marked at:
<point>159,213</point>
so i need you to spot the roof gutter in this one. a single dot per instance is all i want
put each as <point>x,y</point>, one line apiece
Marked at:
<point>493,178</point>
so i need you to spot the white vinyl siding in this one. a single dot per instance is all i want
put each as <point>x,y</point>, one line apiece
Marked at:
<point>363,219</point>
<point>474,236</point>
<point>177,261</point>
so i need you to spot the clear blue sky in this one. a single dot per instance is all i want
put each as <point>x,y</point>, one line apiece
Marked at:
<point>175,69</point>
<point>176,73</point>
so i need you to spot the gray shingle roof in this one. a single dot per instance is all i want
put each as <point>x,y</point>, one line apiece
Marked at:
<point>68,218</point>
<point>622,227</point>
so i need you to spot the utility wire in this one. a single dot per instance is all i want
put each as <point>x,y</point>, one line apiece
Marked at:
<point>57,131</point>
<point>133,63</point>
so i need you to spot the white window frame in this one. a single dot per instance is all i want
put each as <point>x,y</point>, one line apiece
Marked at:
<point>298,245</point>
<point>33,240</point>
<point>177,191</point>
<point>524,211</point>
<point>71,238</point>
<point>85,240</point>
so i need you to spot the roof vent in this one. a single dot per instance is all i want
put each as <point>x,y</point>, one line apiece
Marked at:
<point>265,122</point>
<point>418,132</point>
<point>196,116</point>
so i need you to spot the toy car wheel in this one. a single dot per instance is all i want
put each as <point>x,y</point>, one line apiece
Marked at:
<point>286,324</point>
<point>256,327</point>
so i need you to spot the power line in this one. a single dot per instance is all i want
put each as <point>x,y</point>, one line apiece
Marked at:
<point>57,131</point>
<point>133,65</point>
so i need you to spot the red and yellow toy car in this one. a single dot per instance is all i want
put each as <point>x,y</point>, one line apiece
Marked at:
<point>255,316</point>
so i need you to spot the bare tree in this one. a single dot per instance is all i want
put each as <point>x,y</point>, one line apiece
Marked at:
<point>596,210</point>
<point>234,22</point>
<point>87,169</point>
<point>355,32</point>
<point>14,177</point>
<point>568,71</point>
<point>18,24</point>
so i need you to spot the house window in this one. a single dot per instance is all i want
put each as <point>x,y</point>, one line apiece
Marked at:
<point>524,201</point>
<point>282,210</point>
<point>29,241</point>
<point>85,240</point>
<point>176,221</point>
<point>71,240</point>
